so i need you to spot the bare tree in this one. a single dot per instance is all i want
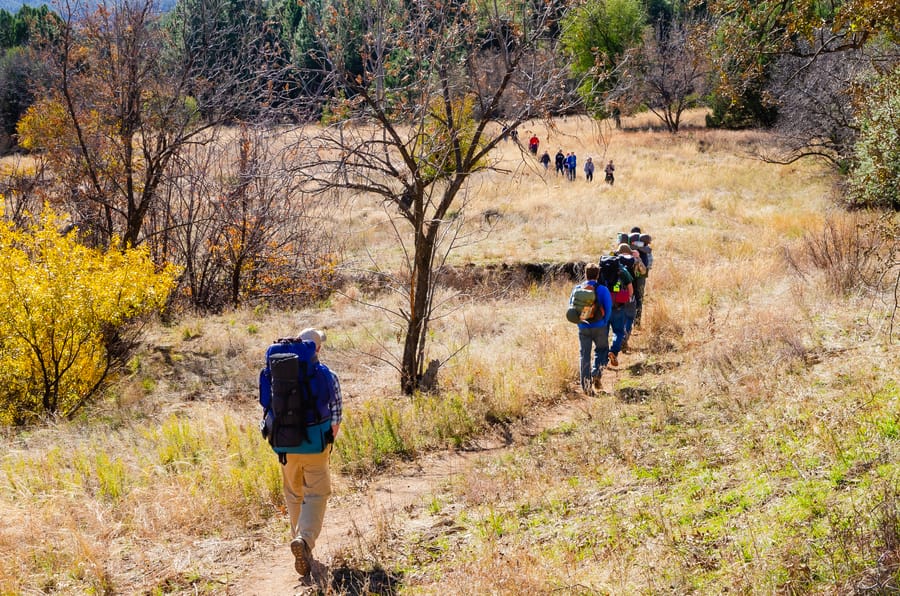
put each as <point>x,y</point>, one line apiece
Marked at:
<point>817,94</point>
<point>240,226</point>
<point>126,95</point>
<point>669,73</point>
<point>442,84</point>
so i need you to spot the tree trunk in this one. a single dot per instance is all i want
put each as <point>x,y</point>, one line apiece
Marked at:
<point>417,325</point>
<point>236,282</point>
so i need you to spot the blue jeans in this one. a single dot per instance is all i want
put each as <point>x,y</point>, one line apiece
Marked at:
<point>598,339</point>
<point>617,322</point>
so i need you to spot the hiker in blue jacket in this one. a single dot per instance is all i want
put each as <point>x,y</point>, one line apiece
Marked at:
<point>594,334</point>
<point>306,476</point>
<point>571,165</point>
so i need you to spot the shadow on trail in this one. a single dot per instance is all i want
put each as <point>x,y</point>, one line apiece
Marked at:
<point>356,582</point>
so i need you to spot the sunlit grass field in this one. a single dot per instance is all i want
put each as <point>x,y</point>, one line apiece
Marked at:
<point>749,442</point>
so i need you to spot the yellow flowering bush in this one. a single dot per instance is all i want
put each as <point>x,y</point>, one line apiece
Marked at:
<point>62,305</point>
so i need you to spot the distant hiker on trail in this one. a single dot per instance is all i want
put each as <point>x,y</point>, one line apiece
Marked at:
<point>545,160</point>
<point>593,328</point>
<point>560,162</point>
<point>589,169</point>
<point>302,432</point>
<point>533,143</point>
<point>609,169</point>
<point>514,135</point>
<point>572,166</point>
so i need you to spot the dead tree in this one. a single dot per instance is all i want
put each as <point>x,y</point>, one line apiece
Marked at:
<point>441,83</point>
<point>671,71</point>
<point>818,102</point>
<point>125,95</point>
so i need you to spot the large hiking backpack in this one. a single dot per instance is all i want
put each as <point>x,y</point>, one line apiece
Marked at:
<point>615,275</point>
<point>610,270</point>
<point>294,391</point>
<point>583,305</point>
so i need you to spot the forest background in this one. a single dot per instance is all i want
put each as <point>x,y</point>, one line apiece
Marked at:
<point>214,174</point>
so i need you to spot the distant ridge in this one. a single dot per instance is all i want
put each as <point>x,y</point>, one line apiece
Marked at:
<point>13,6</point>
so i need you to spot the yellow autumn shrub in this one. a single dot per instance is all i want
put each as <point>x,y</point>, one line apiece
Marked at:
<point>62,305</point>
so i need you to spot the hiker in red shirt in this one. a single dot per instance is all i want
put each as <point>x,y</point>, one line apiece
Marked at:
<point>533,143</point>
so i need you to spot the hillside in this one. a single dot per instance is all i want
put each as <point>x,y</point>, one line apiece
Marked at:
<point>748,442</point>
<point>13,6</point>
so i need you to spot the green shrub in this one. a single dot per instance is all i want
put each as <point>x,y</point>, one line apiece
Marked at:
<point>875,180</point>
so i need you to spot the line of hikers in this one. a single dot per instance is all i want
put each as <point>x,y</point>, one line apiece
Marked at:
<point>611,297</point>
<point>567,165</point>
<point>303,407</point>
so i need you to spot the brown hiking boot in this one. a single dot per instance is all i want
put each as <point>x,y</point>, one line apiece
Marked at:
<point>302,556</point>
<point>597,381</point>
<point>613,359</point>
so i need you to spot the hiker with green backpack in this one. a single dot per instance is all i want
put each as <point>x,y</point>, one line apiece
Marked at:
<point>590,306</point>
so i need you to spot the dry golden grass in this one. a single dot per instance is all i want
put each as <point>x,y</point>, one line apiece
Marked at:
<point>753,420</point>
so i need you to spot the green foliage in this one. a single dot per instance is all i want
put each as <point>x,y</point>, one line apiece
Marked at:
<point>252,474</point>
<point>596,35</point>
<point>180,443</point>
<point>63,308</point>
<point>751,35</point>
<point>449,129</point>
<point>367,439</point>
<point>303,23</point>
<point>28,23</point>
<point>16,70</point>
<point>370,438</point>
<point>745,110</point>
<point>236,44</point>
<point>89,468</point>
<point>111,477</point>
<point>875,181</point>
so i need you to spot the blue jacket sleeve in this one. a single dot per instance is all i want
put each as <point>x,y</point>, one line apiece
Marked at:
<point>605,299</point>
<point>265,389</point>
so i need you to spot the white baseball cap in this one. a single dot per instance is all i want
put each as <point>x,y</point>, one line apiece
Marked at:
<point>313,335</point>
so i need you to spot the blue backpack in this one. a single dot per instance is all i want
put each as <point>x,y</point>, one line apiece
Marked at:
<point>295,390</point>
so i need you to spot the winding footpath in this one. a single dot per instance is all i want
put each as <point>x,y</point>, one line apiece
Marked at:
<point>393,503</point>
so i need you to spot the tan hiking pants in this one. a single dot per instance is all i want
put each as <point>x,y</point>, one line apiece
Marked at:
<point>307,486</point>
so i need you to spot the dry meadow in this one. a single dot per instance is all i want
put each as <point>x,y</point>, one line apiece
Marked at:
<point>747,443</point>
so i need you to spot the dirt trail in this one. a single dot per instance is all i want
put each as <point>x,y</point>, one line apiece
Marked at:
<point>396,502</point>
